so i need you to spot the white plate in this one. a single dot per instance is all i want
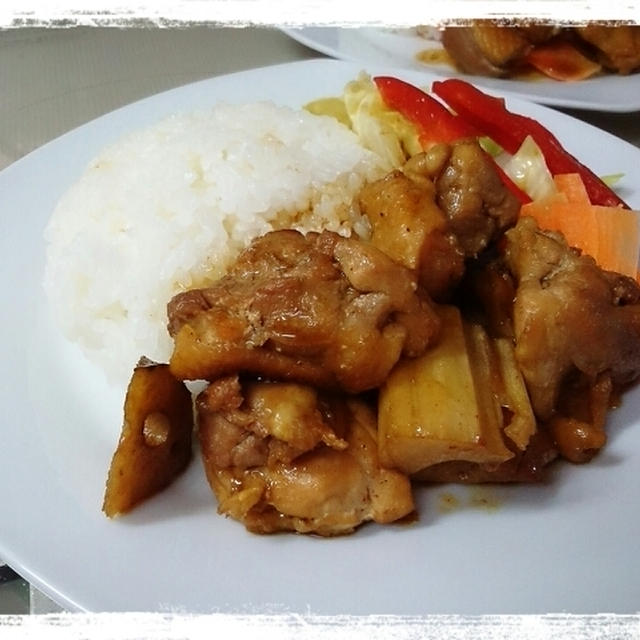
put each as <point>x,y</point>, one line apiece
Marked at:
<point>399,47</point>
<point>569,546</point>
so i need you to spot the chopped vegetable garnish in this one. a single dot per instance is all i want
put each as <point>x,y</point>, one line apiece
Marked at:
<point>610,235</point>
<point>333,107</point>
<point>612,178</point>
<point>434,121</point>
<point>491,117</point>
<point>528,170</point>
<point>490,146</point>
<point>562,61</point>
<point>381,129</point>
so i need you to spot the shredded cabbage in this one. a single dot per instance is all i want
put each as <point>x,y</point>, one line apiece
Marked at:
<point>491,147</point>
<point>380,129</point>
<point>395,139</point>
<point>612,179</point>
<point>333,107</point>
<point>528,169</point>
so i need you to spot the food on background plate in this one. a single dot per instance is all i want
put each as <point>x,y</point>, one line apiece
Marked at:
<point>435,334</point>
<point>499,49</point>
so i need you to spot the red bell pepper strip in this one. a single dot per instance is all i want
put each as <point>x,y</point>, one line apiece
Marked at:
<point>435,123</point>
<point>560,60</point>
<point>509,130</point>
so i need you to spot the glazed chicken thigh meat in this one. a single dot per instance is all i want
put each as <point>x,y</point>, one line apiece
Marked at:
<point>446,205</point>
<point>569,316</point>
<point>319,309</point>
<point>281,456</point>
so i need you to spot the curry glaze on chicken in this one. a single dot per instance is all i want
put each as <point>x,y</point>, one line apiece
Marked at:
<point>299,340</point>
<point>284,456</point>
<point>569,315</point>
<point>320,309</point>
<point>446,205</point>
<point>575,329</point>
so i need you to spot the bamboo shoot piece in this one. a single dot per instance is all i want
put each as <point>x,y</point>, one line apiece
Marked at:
<point>502,388</point>
<point>448,404</point>
<point>522,426</point>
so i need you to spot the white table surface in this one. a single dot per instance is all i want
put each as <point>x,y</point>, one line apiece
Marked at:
<point>52,80</point>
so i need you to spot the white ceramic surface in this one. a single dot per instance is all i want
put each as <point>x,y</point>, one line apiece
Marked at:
<point>569,546</point>
<point>398,48</point>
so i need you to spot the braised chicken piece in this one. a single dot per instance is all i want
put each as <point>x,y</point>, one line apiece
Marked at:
<point>618,47</point>
<point>285,457</point>
<point>486,295</point>
<point>408,226</point>
<point>573,322</point>
<point>447,204</point>
<point>538,33</point>
<point>488,48</point>
<point>469,191</point>
<point>320,309</point>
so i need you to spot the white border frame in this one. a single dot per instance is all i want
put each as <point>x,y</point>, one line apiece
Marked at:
<point>291,13</point>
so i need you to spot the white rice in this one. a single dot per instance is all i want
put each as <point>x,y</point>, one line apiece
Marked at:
<point>168,207</point>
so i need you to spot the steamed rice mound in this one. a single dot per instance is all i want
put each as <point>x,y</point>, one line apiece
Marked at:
<point>168,207</point>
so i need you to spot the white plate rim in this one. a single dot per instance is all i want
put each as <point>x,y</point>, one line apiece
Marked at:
<point>618,94</point>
